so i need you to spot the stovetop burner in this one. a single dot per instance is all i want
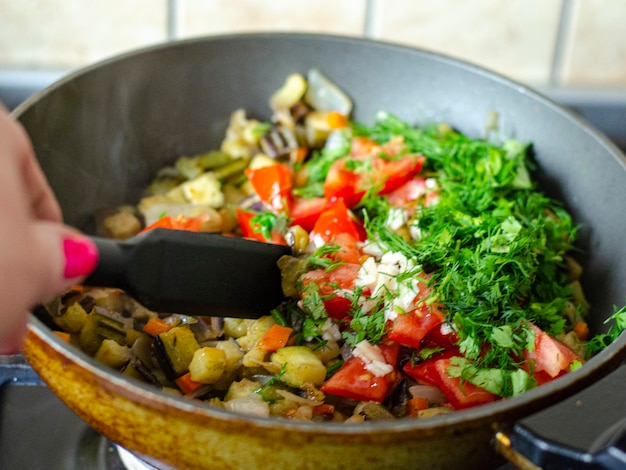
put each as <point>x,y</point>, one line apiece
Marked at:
<point>38,431</point>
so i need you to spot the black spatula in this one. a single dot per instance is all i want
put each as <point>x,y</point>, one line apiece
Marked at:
<point>193,273</point>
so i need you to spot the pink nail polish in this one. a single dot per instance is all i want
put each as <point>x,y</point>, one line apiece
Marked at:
<point>81,257</point>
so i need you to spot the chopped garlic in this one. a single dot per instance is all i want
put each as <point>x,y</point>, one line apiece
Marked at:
<point>382,280</point>
<point>396,218</point>
<point>373,358</point>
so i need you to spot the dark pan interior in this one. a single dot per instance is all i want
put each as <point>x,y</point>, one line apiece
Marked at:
<point>101,133</point>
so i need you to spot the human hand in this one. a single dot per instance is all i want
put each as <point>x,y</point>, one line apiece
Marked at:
<point>39,255</point>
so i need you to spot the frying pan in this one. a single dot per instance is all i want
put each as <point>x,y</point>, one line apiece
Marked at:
<point>102,132</point>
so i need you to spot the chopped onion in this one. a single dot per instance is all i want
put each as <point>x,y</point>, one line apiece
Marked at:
<point>323,95</point>
<point>297,398</point>
<point>250,405</point>
<point>429,392</point>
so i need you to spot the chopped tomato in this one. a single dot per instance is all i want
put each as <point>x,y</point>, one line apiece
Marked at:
<point>407,193</point>
<point>361,147</point>
<point>350,181</point>
<point>395,173</point>
<point>273,185</point>
<point>305,212</point>
<point>337,307</point>
<point>253,231</point>
<point>353,380</point>
<point>343,183</point>
<point>460,394</point>
<point>550,355</point>
<point>330,283</point>
<point>347,249</point>
<point>180,222</point>
<point>335,220</point>
<point>441,335</point>
<point>410,328</point>
<point>424,371</point>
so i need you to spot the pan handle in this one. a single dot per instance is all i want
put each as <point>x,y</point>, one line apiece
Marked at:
<point>585,431</point>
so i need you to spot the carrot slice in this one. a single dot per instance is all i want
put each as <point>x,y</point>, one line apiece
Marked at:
<point>275,337</point>
<point>187,384</point>
<point>414,405</point>
<point>336,120</point>
<point>324,409</point>
<point>582,330</point>
<point>156,326</point>
<point>63,335</point>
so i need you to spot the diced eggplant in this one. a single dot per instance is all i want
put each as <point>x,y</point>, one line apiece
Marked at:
<point>113,354</point>
<point>279,142</point>
<point>174,350</point>
<point>373,411</point>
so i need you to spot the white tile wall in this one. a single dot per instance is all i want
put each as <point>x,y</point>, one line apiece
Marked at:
<point>572,43</point>
<point>513,37</point>
<point>595,54</point>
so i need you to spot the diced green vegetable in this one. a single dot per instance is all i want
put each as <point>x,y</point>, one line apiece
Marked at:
<point>301,366</point>
<point>208,365</point>
<point>176,349</point>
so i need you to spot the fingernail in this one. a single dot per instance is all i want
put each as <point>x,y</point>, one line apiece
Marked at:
<point>81,257</point>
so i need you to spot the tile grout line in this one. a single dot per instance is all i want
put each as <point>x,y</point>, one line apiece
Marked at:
<point>560,45</point>
<point>172,26</point>
<point>370,23</point>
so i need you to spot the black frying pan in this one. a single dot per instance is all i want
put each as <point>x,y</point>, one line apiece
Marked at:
<point>101,134</point>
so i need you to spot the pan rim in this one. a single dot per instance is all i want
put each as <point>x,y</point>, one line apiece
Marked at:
<point>491,412</point>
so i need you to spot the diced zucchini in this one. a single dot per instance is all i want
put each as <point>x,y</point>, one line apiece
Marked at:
<point>236,327</point>
<point>113,354</point>
<point>89,338</point>
<point>176,347</point>
<point>328,351</point>
<point>254,357</point>
<point>241,389</point>
<point>73,319</point>
<point>256,329</point>
<point>233,353</point>
<point>133,335</point>
<point>301,366</point>
<point>109,326</point>
<point>208,365</point>
<point>131,371</point>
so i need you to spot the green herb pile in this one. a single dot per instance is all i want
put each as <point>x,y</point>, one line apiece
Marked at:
<point>493,244</point>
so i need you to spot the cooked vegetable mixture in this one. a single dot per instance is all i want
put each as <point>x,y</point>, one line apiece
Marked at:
<point>429,274</point>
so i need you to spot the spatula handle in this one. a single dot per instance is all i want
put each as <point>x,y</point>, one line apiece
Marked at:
<point>193,273</point>
<point>112,263</point>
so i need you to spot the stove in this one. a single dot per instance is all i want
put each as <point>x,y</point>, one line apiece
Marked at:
<point>37,431</point>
